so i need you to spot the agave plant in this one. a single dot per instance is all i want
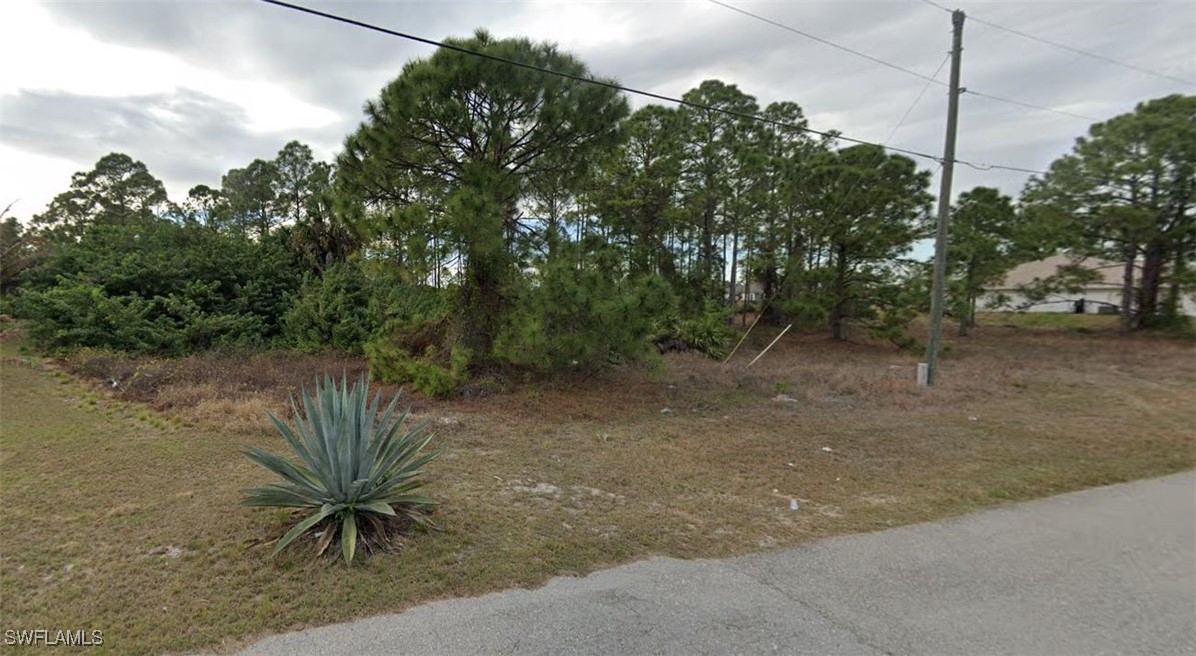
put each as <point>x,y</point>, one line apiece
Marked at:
<point>356,469</point>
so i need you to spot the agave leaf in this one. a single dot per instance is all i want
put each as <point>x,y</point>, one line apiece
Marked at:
<point>325,540</point>
<point>317,423</point>
<point>383,435</point>
<point>371,417</point>
<point>350,458</point>
<point>404,478</point>
<point>422,520</point>
<point>397,489</point>
<point>352,435</point>
<point>387,428</point>
<point>296,443</point>
<point>281,495</point>
<point>284,468</point>
<point>377,507</point>
<point>343,462</point>
<point>386,446</point>
<point>354,492</point>
<point>317,453</point>
<point>349,536</point>
<point>313,447</point>
<point>402,461</point>
<point>411,500</point>
<point>402,451</point>
<point>302,526</point>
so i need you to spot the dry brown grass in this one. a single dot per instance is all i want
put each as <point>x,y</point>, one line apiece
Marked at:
<point>551,477</point>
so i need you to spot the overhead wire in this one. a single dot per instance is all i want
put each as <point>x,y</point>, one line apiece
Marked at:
<point>616,86</point>
<point>907,71</point>
<point>925,88</point>
<point>842,197</point>
<point>828,42</point>
<point>1064,46</point>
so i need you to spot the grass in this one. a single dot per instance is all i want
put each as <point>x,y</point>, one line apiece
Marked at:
<point>123,515</point>
<point>1084,323</point>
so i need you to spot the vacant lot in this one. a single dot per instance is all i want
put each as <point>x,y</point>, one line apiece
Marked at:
<point>120,484</point>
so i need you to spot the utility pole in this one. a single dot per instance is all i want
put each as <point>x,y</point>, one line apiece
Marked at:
<point>940,240</point>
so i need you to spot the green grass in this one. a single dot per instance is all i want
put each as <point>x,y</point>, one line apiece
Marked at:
<point>1050,320</point>
<point>1083,323</point>
<point>129,522</point>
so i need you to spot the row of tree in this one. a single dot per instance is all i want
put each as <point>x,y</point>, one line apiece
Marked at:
<point>487,215</point>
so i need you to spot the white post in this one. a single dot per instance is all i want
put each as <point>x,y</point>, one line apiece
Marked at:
<point>923,374</point>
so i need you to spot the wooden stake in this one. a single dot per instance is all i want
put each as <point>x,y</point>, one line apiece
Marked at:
<point>770,345</point>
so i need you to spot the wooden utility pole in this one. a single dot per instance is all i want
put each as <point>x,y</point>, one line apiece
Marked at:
<point>940,240</point>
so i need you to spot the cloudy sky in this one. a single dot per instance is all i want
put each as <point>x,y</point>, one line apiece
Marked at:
<point>196,88</point>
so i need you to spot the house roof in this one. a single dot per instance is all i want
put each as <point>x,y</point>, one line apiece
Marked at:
<point>1024,274</point>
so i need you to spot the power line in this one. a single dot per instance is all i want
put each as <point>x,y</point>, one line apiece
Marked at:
<point>619,87</point>
<point>586,80</point>
<point>843,197</point>
<point>895,67</point>
<point>832,44</point>
<point>1071,49</point>
<point>1027,105</point>
<point>925,87</point>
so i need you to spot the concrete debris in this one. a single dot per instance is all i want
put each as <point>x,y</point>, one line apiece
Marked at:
<point>169,551</point>
<point>538,488</point>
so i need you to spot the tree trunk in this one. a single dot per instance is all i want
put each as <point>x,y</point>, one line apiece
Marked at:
<point>734,265</point>
<point>965,309</point>
<point>706,266</point>
<point>1179,267</point>
<point>1127,289</point>
<point>838,310</point>
<point>1148,286</point>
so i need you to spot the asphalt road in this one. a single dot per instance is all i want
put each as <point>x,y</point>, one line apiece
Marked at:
<point>1104,571</point>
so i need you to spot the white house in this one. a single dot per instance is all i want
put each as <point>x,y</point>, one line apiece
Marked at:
<point>1102,295</point>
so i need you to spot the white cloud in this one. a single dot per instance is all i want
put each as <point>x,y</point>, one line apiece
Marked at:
<point>29,181</point>
<point>217,84</point>
<point>53,55</point>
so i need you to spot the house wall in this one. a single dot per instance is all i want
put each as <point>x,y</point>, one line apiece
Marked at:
<point>1094,299</point>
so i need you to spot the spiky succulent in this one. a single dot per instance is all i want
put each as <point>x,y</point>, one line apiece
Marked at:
<point>353,464</point>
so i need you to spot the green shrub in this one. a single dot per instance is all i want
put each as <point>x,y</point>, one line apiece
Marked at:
<point>391,363</point>
<point>709,332</point>
<point>154,286</point>
<point>78,314</point>
<point>356,469</point>
<point>572,317</point>
<point>401,303</point>
<point>413,345</point>
<point>331,311</point>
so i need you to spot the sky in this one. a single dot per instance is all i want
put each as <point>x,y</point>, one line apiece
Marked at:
<point>194,88</point>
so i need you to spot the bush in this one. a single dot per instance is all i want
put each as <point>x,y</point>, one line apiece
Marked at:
<point>403,304</point>
<point>154,286</point>
<point>581,318</point>
<point>709,332</point>
<point>78,314</point>
<point>353,464</point>
<point>331,312</point>
<point>391,363</point>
